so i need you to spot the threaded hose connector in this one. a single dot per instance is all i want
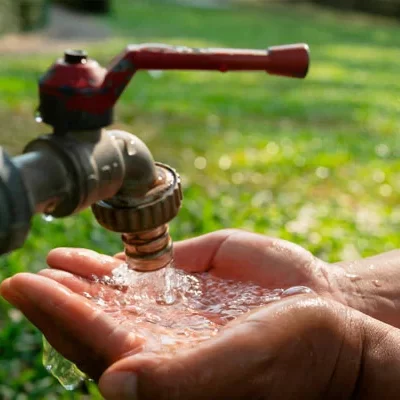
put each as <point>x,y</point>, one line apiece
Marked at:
<point>149,250</point>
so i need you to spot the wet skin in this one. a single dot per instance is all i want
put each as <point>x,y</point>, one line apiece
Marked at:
<point>304,347</point>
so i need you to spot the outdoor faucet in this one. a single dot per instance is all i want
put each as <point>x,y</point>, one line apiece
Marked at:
<point>82,164</point>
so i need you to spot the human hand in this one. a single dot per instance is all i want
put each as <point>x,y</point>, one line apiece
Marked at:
<point>96,343</point>
<point>230,254</point>
<point>301,347</point>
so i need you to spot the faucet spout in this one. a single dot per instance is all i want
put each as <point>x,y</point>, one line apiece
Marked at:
<point>143,221</point>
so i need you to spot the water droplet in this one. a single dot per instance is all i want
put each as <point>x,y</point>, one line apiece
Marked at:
<point>200,162</point>
<point>131,148</point>
<point>296,290</point>
<point>377,283</point>
<point>38,117</point>
<point>47,217</point>
<point>353,277</point>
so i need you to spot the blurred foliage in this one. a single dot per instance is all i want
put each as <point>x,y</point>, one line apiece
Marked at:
<point>8,17</point>
<point>315,161</point>
<point>32,14</point>
<point>23,15</point>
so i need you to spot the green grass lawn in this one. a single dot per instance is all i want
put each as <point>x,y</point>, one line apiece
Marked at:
<point>314,161</point>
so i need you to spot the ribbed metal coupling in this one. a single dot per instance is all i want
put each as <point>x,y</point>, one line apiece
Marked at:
<point>160,205</point>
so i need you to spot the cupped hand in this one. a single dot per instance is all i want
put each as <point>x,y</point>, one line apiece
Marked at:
<point>299,339</point>
<point>303,347</point>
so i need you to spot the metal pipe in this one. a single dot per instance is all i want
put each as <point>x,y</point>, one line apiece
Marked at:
<point>45,177</point>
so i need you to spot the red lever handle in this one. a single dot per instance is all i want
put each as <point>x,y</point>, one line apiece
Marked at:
<point>289,60</point>
<point>78,94</point>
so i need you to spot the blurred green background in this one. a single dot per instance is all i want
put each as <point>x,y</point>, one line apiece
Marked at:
<point>314,161</point>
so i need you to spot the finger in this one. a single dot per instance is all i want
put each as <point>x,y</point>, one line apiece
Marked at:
<point>55,309</point>
<point>81,285</point>
<point>75,283</point>
<point>82,262</point>
<point>70,349</point>
<point>286,341</point>
<point>241,255</point>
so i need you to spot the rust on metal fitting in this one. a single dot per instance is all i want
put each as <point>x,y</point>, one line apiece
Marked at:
<point>148,250</point>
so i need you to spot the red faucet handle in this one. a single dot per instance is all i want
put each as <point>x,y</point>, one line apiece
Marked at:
<point>288,60</point>
<point>77,94</point>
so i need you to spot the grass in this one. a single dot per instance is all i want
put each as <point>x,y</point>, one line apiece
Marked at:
<point>314,161</point>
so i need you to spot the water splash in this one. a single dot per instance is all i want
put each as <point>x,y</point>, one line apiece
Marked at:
<point>66,372</point>
<point>38,117</point>
<point>170,309</point>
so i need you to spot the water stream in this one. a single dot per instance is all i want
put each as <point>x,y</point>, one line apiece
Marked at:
<point>170,308</point>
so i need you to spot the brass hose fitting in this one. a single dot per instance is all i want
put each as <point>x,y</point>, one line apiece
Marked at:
<point>149,250</point>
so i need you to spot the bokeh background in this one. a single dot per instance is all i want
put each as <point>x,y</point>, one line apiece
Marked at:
<point>314,161</point>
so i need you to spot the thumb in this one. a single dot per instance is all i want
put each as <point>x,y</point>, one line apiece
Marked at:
<point>252,358</point>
